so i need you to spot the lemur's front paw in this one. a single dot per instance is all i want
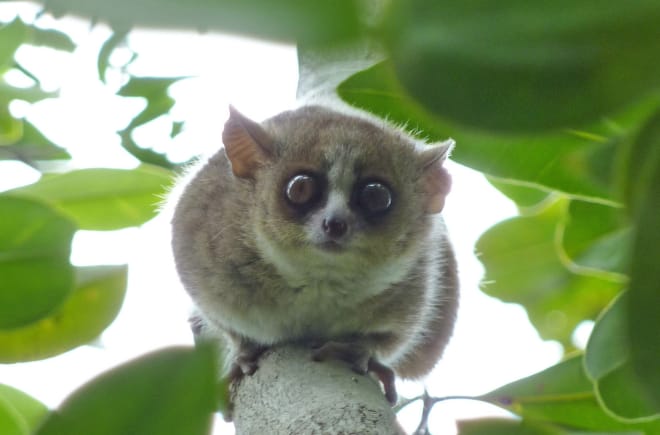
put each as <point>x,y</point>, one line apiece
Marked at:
<point>246,362</point>
<point>361,360</point>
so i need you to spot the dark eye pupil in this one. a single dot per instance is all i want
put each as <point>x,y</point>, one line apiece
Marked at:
<point>301,189</point>
<point>375,198</point>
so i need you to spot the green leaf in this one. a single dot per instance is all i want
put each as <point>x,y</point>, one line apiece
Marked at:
<point>523,266</point>
<point>26,72</point>
<point>177,127</point>
<point>167,392</point>
<point>117,38</point>
<point>103,198</point>
<point>505,426</point>
<point>525,197</point>
<point>642,187</point>
<point>35,243</point>
<point>314,22</point>
<point>144,155</point>
<point>522,66</point>
<point>50,38</point>
<point>639,162</point>
<point>92,306</point>
<point>30,94</point>
<point>10,128</point>
<point>31,146</point>
<point>12,35</point>
<point>596,238</point>
<point>322,69</point>
<point>562,395</point>
<point>14,132</point>
<point>224,404</point>
<point>155,91</point>
<point>10,421</point>
<point>26,411</point>
<point>17,32</point>
<point>579,163</point>
<point>608,364</point>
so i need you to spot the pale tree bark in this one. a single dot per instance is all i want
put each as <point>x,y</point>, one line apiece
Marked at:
<point>291,394</point>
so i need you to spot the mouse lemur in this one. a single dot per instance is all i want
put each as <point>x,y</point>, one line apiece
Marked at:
<point>320,227</point>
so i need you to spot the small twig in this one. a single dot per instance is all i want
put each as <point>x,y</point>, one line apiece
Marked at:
<point>428,404</point>
<point>405,402</point>
<point>24,70</point>
<point>19,156</point>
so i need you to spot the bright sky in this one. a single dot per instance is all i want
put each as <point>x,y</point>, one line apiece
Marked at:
<point>493,343</point>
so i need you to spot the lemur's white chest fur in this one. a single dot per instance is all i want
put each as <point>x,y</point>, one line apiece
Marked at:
<point>326,289</point>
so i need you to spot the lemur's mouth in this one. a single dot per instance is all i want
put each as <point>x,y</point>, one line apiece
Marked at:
<point>331,246</point>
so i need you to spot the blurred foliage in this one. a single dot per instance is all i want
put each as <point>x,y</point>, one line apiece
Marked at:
<point>608,364</point>
<point>523,266</point>
<point>564,397</point>
<point>19,139</point>
<point>166,392</point>
<point>35,243</point>
<point>101,198</point>
<point>287,20</point>
<point>30,145</point>
<point>558,104</point>
<point>506,426</point>
<point>48,306</point>
<point>92,305</point>
<point>154,90</point>
<point>581,161</point>
<point>568,62</point>
<point>20,414</point>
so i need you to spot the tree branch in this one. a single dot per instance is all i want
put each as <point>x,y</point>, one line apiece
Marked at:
<point>291,394</point>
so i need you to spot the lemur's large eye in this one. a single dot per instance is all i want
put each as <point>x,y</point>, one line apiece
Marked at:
<point>302,189</point>
<point>374,198</point>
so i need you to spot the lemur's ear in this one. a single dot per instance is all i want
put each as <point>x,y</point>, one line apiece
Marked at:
<point>247,144</point>
<point>437,181</point>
